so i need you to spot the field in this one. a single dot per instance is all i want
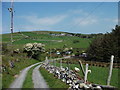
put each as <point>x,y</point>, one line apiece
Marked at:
<point>49,40</point>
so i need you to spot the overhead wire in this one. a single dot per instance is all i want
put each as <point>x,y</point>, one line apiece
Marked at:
<point>86,17</point>
<point>75,24</point>
<point>92,11</point>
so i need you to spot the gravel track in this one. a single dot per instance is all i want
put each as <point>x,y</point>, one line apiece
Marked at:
<point>38,80</point>
<point>18,82</point>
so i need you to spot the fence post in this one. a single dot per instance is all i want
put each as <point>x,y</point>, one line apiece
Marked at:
<point>86,72</point>
<point>55,62</point>
<point>110,70</point>
<point>46,59</point>
<point>61,64</point>
<point>81,66</point>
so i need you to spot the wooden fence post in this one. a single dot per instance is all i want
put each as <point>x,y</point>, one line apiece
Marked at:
<point>110,70</point>
<point>81,66</point>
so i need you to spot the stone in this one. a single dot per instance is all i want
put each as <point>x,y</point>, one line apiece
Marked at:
<point>15,76</point>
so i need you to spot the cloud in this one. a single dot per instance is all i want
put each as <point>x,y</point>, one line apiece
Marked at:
<point>114,20</point>
<point>73,15</point>
<point>79,12</point>
<point>85,22</point>
<point>83,18</point>
<point>46,21</point>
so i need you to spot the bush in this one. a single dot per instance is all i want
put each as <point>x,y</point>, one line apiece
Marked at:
<point>34,50</point>
<point>76,41</point>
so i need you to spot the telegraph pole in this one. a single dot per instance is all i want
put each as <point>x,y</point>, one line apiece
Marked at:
<point>11,10</point>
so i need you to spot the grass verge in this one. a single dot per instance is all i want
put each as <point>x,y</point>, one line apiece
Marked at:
<point>28,83</point>
<point>52,81</point>
<point>9,76</point>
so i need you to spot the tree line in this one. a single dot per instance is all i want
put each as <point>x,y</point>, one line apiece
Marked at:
<point>103,46</point>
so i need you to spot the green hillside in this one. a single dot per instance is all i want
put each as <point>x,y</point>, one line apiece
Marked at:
<point>49,40</point>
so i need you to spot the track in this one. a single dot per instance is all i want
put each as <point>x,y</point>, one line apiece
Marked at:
<point>18,82</point>
<point>38,80</point>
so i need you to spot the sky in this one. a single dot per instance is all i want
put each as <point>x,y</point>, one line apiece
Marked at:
<point>74,17</point>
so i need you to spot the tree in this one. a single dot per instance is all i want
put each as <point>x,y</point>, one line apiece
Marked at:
<point>105,45</point>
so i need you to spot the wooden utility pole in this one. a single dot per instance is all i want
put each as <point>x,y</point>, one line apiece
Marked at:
<point>11,10</point>
<point>110,70</point>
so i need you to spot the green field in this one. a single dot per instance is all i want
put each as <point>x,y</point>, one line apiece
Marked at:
<point>49,40</point>
<point>98,75</point>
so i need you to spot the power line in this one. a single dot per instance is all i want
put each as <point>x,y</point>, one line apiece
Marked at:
<point>92,11</point>
<point>89,14</point>
<point>86,17</point>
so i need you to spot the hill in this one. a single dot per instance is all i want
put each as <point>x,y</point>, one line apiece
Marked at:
<point>50,39</point>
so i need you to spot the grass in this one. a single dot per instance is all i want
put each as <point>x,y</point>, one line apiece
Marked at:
<point>41,37</point>
<point>28,83</point>
<point>98,75</point>
<point>0,81</point>
<point>8,75</point>
<point>52,81</point>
